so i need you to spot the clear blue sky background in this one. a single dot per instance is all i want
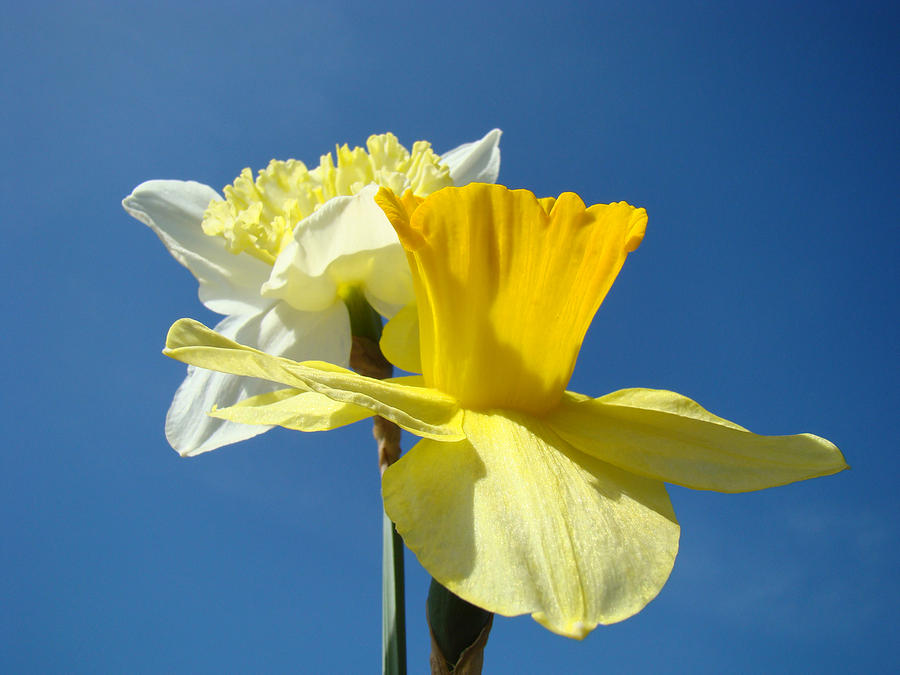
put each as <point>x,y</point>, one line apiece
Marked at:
<point>761,137</point>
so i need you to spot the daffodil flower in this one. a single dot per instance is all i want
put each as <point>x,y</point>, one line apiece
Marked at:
<point>521,497</point>
<point>278,254</point>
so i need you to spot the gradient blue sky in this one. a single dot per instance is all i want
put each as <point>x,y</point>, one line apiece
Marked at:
<point>761,137</point>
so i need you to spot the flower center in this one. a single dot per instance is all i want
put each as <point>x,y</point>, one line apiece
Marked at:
<point>259,216</point>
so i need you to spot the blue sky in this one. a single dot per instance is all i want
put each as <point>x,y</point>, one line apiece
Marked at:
<point>761,138</point>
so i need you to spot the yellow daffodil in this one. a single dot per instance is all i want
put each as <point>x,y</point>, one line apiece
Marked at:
<point>521,497</point>
<point>279,254</point>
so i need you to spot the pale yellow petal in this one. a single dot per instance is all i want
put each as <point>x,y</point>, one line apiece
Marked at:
<point>400,340</point>
<point>515,520</point>
<point>294,409</point>
<point>506,286</point>
<point>408,380</point>
<point>420,410</point>
<point>669,437</point>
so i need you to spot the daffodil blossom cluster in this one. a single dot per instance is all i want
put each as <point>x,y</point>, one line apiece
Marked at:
<point>520,497</point>
<point>278,254</point>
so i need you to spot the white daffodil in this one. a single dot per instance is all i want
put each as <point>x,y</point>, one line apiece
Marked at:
<point>278,254</point>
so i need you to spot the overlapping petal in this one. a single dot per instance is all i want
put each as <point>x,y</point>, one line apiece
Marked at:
<point>293,409</point>
<point>514,520</point>
<point>280,329</point>
<point>300,410</point>
<point>426,412</point>
<point>669,437</point>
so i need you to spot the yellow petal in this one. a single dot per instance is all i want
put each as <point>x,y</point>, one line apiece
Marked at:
<point>666,436</point>
<point>507,285</point>
<point>294,409</point>
<point>397,209</point>
<point>400,340</point>
<point>420,410</point>
<point>516,521</point>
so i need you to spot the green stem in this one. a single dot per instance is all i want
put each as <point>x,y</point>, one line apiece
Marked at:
<point>364,321</point>
<point>393,643</point>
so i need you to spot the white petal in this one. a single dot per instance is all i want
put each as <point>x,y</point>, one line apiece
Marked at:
<point>347,241</point>
<point>173,209</point>
<point>476,162</point>
<point>280,330</point>
<point>389,286</point>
